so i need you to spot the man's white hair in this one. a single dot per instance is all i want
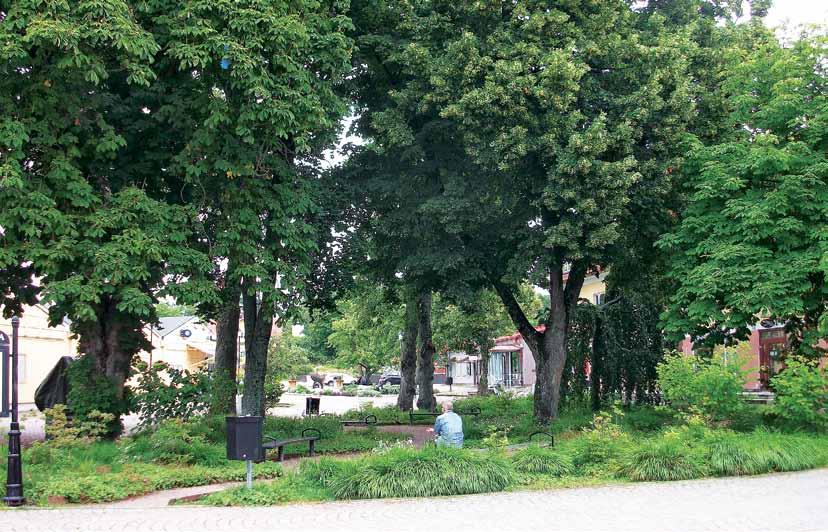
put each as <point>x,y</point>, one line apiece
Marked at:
<point>448,406</point>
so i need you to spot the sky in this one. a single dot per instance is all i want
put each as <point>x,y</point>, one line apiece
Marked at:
<point>796,12</point>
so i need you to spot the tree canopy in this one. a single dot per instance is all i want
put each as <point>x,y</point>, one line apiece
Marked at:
<point>752,243</point>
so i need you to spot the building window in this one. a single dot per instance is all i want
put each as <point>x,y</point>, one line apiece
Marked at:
<point>468,369</point>
<point>599,299</point>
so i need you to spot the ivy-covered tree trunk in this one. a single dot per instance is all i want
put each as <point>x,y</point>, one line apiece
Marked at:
<point>226,359</point>
<point>258,324</point>
<point>408,357</point>
<point>107,344</point>
<point>425,354</point>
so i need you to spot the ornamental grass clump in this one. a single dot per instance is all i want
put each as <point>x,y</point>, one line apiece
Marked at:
<point>543,461</point>
<point>663,459</point>
<point>429,472</point>
<point>762,451</point>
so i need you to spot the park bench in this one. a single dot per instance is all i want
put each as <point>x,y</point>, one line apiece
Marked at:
<point>413,415</point>
<point>368,420</point>
<point>279,444</point>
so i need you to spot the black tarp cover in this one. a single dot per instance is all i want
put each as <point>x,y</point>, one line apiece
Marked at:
<point>54,388</point>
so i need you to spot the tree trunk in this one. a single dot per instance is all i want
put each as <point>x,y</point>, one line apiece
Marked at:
<point>258,324</point>
<point>425,354</point>
<point>596,364</point>
<point>408,357</point>
<point>483,378</point>
<point>548,347</point>
<point>226,359</point>
<point>111,341</point>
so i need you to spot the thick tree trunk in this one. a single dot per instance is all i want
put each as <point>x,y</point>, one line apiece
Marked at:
<point>226,359</point>
<point>425,354</point>
<point>111,341</point>
<point>408,357</point>
<point>258,324</point>
<point>548,347</point>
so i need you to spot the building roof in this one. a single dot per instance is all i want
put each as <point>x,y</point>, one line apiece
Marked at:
<point>516,338</point>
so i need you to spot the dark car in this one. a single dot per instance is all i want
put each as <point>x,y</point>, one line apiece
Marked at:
<point>389,378</point>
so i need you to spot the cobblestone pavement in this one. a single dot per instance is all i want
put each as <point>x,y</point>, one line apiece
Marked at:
<point>786,502</point>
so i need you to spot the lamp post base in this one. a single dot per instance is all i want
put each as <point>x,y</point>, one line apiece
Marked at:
<point>14,476</point>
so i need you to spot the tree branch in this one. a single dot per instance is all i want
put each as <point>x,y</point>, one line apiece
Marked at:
<point>525,327</point>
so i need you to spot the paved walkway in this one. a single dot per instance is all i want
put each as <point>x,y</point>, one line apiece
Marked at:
<point>786,502</point>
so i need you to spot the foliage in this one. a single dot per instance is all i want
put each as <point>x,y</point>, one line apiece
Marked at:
<point>165,310</point>
<point>802,394</point>
<point>752,240</point>
<point>601,445</point>
<point>543,460</point>
<point>173,441</point>
<point>365,334</point>
<point>137,479</point>
<point>429,472</point>
<point>663,459</point>
<point>622,342</point>
<point>712,387</point>
<point>163,392</point>
<point>289,488</point>
<point>763,452</point>
<point>62,431</point>
<point>273,391</point>
<point>286,358</point>
<point>90,392</point>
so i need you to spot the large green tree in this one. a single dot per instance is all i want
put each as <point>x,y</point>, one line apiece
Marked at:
<point>105,237</point>
<point>547,132</point>
<point>248,88</point>
<point>753,241</point>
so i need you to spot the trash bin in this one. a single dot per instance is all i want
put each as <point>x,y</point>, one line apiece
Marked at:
<point>312,406</point>
<point>244,438</point>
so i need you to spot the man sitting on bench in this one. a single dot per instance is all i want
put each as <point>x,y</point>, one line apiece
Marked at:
<point>449,428</point>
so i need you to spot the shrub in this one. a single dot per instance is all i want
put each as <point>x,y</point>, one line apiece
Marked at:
<point>649,419</point>
<point>302,390</point>
<point>164,392</point>
<point>663,459</point>
<point>540,460</point>
<point>174,442</point>
<point>802,394</point>
<point>600,444</point>
<point>390,389</point>
<point>713,387</point>
<point>91,392</point>
<point>61,431</point>
<point>430,472</point>
<point>273,391</point>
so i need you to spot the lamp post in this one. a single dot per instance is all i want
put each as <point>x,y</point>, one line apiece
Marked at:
<point>14,477</point>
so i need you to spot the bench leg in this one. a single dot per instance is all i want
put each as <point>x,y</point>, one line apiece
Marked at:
<point>311,447</point>
<point>281,457</point>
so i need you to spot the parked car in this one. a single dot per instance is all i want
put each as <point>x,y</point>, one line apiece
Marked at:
<point>331,377</point>
<point>389,378</point>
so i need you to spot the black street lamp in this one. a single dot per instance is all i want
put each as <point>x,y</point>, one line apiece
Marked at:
<point>14,477</point>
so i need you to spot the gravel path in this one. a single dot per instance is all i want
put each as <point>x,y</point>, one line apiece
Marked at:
<point>785,502</point>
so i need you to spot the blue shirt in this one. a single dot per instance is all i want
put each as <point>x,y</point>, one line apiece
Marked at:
<point>449,429</point>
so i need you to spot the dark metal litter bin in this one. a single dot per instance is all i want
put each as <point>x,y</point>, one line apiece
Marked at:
<point>312,406</point>
<point>244,438</point>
